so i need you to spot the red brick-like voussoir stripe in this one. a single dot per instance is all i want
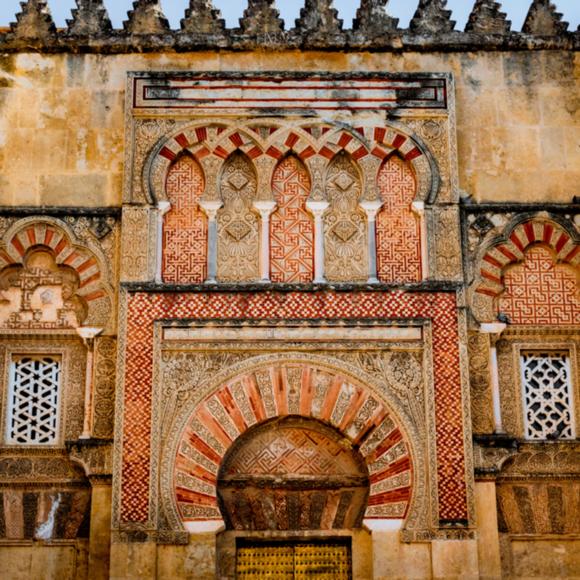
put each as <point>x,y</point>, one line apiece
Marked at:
<point>145,308</point>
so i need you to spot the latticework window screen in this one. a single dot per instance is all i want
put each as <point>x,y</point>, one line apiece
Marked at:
<point>547,395</point>
<point>34,398</point>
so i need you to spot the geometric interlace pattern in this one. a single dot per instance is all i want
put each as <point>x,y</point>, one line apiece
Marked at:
<point>293,452</point>
<point>145,309</point>
<point>398,228</point>
<point>548,408</point>
<point>34,400</point>
<point>292,230</point>
<point>184,225</point>
<point>538,291</point>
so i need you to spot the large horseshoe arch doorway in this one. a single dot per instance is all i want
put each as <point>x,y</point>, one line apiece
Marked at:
<point>290,487</point>
<point>287,452</point>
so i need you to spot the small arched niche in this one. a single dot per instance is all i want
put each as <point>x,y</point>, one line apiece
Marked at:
<point>293,473</point>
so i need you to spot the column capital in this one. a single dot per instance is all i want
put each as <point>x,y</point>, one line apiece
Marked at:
<point>88,333</point>
<point>264,206</point>
<point>211,207</point>
<point>163,206</point>
<point>493,329</point>
<point>371,207</point>
<point>418,207</point>
<point>317,207</point>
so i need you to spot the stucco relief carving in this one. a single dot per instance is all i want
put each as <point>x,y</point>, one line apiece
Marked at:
<point>104,387</point>
<point>345,230</point>
<point>479,377</point>
<point>57,274</point>
<point>238,227</point>
<point>498,247</point>
<point>177,365</point>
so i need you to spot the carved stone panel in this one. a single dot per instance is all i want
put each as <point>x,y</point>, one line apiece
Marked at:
<point>238,225</point>
<point>345,228</point>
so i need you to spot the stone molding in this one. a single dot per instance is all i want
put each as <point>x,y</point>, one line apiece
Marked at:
<point>147,29</point>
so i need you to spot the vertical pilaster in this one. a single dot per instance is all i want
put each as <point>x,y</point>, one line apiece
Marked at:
<point>371,208</point>
<point>487,531</point>
<point>211,207</point>
<point>162,208</point>
<point>317,208</point>
<point>265,208</point>
<point>418,207</point>
<point>88,334</point>
<point>494,331</point>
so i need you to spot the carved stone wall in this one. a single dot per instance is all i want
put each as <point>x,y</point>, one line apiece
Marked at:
<point>345,231</point>
<point>238,236</point>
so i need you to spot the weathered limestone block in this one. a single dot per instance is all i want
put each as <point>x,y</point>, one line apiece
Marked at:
<point>90,18</point>
<point>542,19</point>
<point>372,19</point>
<point>487,18</point>
<point>146,18</point>
<point>202,18</point>
<point>34,21</point>
<point>432,18</point>
<point>261,17</point>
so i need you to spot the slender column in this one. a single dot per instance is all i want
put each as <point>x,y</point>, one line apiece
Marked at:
<point>211,208</point>
<point>371,208</point>
<point>88,334</point>
<point>265,207</point>
<point>162,208</point>
<point>494,331</point>
<point>317,208</point>
<point>419,208</point>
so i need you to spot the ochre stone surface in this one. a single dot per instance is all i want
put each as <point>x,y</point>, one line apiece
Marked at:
<point>65,145</point>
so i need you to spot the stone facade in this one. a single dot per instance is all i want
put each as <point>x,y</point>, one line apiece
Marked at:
<point>296,298</point>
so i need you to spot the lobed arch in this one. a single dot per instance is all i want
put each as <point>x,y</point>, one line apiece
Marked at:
<point>34,234</point>
<point>273,387</point>
<point>510,249</point>
<point>213,141</point>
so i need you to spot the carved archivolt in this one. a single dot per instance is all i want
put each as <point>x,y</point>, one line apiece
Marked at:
<point>238,237</point>
<point>50,280</point>
<point>345,231</point>
<point>275,387</point>
<point>210,141</point>
<point>526,242</point>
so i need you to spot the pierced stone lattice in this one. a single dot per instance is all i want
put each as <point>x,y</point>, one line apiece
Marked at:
<point>33,401</point>
<point>184,227</point>
<point>398,228</point>
<point>292,233</point>
<point>539,291</point>
<point>548,409</point>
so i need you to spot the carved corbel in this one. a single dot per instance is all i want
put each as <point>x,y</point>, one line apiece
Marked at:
<point>95,456</point>
<point>490,454</point>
